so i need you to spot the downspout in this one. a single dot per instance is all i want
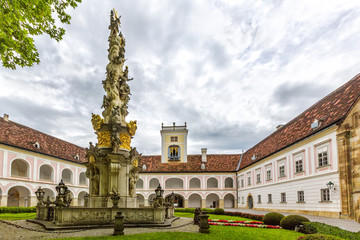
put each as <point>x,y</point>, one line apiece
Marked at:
<point>237,181</point>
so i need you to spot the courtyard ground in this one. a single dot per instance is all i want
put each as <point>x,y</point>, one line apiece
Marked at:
<point>186,232</point>
<point>346,224</point>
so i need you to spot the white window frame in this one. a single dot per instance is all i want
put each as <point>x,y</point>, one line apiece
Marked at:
<point>322,155</point>
<point>248,179</point>
<point>301,196</point>
<point>268,173</point>
<point>299,161</point>
<point>325,195</point>
<point>283,197</point>
<point>259,198</point>
<point>269,198</point>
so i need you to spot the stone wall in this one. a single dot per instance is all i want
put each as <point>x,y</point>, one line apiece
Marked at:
<point>348,140</point>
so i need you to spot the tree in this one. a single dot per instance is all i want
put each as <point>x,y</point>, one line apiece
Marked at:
<point>20,20</point>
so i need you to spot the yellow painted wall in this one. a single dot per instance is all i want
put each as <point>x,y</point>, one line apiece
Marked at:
<point>181,143</point>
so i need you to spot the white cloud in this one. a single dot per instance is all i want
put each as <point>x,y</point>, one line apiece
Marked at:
<point>231,69</point>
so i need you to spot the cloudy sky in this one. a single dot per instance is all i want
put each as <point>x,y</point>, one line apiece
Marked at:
<point>233,70</point>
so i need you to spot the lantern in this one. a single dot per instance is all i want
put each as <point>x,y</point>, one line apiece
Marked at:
<point>61,188</point>
<point>159,191</point>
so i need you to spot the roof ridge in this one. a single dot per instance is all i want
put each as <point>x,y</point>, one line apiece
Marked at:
<point>309,108</point>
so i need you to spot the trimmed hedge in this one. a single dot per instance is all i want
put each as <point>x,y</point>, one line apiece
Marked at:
<point>245,215</point>
<point>319,237</point>
<point>212,211</point>
<point>332,230</point>
<point>273,218</point>
<point>219,211</point>
<point>17,209</point>
<point>289,222</point>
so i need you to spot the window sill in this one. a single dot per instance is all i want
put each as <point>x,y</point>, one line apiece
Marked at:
<point>325,201</point>
<point>282,176</point>
<point>324,166</point>
<point>173,159</point>
<point>269,179</point>
<point>299,172</point>
<point>269,202</point>
<point>301,202</point>
<point>258,182</point>
<point>283,202</point>
<point>258,202</point>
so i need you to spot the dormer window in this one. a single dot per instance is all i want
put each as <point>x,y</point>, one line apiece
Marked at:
<point>254,157</point>
<point>316,123</point>
<point>77,157</point>
<point>144,167</point>
<point>203,166</point>
<point>37,145</point>
<point>174,153</point>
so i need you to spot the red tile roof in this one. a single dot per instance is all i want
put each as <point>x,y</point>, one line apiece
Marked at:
<point>331,109</point>
<point>215,163</point>
<point>17,135</point>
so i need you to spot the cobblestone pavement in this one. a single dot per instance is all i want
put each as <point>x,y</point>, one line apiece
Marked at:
<point>346,224</point>
<point>11,233</point>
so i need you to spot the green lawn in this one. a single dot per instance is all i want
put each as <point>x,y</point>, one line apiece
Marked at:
<point>17,216</point>
<point>213,216</point>
<point>216,232</point>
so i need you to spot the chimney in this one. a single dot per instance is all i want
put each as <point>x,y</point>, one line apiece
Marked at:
<point>203,154</point>
<point>6,117</point>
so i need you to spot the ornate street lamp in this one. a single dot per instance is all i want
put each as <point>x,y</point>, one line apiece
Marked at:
<point>61,188</point>
<point>330,185</point>
<point>159,191</point>
<point>40,195</point>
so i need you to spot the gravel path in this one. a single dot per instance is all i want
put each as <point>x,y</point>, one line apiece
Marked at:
<point>11,233</point>
<point>346,224</point>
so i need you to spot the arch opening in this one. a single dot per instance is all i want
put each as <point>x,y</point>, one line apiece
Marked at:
<point>46,173</point>
<point>139,184</point>
<point>178,201</point>
<point>140,200</point>
<point>195,183</point>
<point>82,179</point>
<point>67,176</point>
<point>174,183</point>
<point>212,183</point>
<point>154,183</point>
<point>194,201</point>
<point>229,182</point>
<point>229,201</point>
<point>81,199</point>
<point>212,201</point>
<point>20,168</point>
<point>18,197</point>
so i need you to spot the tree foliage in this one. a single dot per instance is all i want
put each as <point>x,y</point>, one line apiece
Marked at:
<point>20,20</point>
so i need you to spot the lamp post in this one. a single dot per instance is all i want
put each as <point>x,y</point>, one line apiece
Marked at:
<point>40,196</point>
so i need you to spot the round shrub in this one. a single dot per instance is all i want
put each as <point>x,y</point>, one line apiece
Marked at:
<point>219,211</point>
<point>319,237</point>
<point>289,222</point>
<point>272,218</point>
<point>308,228</point>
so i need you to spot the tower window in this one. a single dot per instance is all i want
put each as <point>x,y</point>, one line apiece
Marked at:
<point>174,152</point>
<point>174,139</point>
